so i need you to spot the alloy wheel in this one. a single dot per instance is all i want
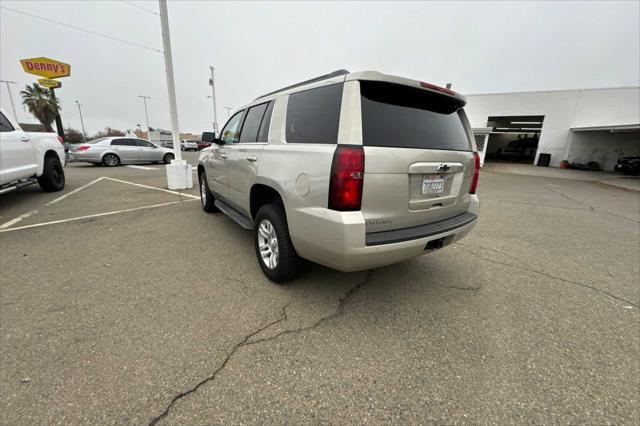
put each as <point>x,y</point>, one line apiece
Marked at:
<point>268,244</point>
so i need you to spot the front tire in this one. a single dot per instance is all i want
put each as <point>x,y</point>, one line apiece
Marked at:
<point>206,197</point>
<point>52,178</point>
<point>276,255</point>
<point>167,158</point>
<point>110,160</point>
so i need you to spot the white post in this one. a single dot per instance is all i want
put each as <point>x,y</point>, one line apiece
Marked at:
<point>13,107</point>
<point>179,174</point>
<point>213,98</point>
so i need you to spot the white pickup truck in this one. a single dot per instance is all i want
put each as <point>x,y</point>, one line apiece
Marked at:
<point>27,158</point>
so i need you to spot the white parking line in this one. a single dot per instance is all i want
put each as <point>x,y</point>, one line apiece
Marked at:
<point>153,187</point>
<point>142,167</point>
<point>73,219</point>
<point>32,212</point>
<point>17,219</point>
<point>62,197</point>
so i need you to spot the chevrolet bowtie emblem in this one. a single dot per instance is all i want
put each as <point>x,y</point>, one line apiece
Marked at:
<point>443,168</point>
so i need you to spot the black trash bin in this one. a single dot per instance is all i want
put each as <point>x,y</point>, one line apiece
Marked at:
<point>544,160</point>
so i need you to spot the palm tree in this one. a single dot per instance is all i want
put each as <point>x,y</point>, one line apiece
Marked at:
<point>41,104</point>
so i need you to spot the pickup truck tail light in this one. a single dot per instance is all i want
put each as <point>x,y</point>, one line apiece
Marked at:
<point>347,177</point>
<point>476,173</point>
<point>83,148</point>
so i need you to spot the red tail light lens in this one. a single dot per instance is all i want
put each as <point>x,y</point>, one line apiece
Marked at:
<point>83,148</point>
<point>347,176</point>
<point>476,173</point>
<point>60,139</point>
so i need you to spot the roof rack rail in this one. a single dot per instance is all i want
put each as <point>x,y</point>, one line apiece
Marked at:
<point>302,83</point>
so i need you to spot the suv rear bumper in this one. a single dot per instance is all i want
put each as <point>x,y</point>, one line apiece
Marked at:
<point>338,239</point>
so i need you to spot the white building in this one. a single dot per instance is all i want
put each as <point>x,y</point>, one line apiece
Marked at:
<point>574,125</point>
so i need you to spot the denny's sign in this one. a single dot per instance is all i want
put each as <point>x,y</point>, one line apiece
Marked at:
<point>45,67</point>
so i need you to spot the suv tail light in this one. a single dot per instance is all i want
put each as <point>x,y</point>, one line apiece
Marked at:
<point>60,139</point>
<point>347,176</point>
<point>476,173</point>
<point>83,148</point>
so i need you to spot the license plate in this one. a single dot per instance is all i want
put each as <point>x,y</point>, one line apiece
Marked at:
<point>432,185</point>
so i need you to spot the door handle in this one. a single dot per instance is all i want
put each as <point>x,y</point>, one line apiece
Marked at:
<point>223,155</point>
<point>252,158</point>
<point>24,138</point>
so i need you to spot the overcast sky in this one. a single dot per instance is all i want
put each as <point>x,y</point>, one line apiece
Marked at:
<point>258,47</point>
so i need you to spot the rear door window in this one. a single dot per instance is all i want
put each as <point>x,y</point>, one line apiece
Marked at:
<point>124,142</point>
<point>313,115</point>
<point>251,125</point>
<point>406,117</point>
<point>263,134</point>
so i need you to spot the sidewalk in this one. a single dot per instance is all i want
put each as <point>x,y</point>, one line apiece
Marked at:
<point>608,178</point>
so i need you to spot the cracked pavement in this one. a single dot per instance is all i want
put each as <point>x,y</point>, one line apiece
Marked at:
<point>533,318</point>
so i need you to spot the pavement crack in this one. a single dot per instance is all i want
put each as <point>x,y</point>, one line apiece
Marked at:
<point>282,317</point>
<point>246,342</point>
<point>504,253</point>
<point>555,277</point>
<point>322,320</point>
<point>465,288</point>
<point>573,200</point>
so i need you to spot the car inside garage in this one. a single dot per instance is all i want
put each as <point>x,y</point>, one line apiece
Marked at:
<point>513,138</point>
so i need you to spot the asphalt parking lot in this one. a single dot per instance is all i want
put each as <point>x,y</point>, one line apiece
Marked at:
<point>122,303</point>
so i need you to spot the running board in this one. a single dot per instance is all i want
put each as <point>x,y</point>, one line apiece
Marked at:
<point>21,184</point>
<point>237,217</point>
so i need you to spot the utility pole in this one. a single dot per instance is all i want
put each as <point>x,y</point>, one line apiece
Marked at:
<point>84,135</point>
<point>146,114</point>
<point>13,107</point>
<point>212,83</point>
<point>179,174</point>
<point>228,111</point>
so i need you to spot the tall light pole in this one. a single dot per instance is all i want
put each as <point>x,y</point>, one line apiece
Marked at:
<point>212,83</point>
<point>13,107</point>
<point>228,111</point>
<point>84,135</point>
<point>146,114</point>
<point>179,175</point>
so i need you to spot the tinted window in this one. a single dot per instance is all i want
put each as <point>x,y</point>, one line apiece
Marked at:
<point>231,130</point>
<point>144,143</point>
<point>124,142</point>
<point>251,124</point>
<point>406,117</point>
<point>313,115</point>
<point>263,135</point>
<point>5,126</point>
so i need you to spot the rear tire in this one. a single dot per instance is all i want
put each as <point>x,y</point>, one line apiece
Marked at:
<point>52,178</point>
<point>206,197</point>
<point>110,160</point>
<point>167,158</point>
<point>278,259</point>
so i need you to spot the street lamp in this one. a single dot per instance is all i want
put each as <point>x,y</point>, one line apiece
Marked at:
<point>228,111</point>
<point>139,130</point>
<point>84,135</point>
<point>146,114</point>
<point>11,97</point>
<point>212,83</point>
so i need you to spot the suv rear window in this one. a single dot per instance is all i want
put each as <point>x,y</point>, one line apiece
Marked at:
<point>405,117</point>
<point>313,116</point>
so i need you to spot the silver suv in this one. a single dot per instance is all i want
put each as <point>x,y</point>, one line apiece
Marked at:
<point>349,170</point>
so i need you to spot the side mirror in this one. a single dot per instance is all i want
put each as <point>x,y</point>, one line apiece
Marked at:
<point>209,137</point>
